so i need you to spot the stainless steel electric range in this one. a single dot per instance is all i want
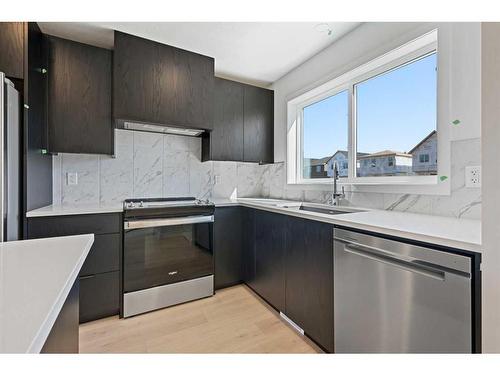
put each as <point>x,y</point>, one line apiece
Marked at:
<point>167,252</point>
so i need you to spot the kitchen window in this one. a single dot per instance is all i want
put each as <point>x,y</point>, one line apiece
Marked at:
<point>378,118</point>
<point>396,115</point>
<point>325,119</point>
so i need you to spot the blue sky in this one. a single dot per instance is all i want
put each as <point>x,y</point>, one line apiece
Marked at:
<point>395,111</point>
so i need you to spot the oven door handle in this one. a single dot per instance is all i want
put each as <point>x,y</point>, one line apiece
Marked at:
<point>151,223</point>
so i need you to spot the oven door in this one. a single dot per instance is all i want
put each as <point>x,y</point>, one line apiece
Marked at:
<point>165,251</point>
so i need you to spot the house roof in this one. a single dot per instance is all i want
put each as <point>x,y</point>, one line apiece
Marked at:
<point>385,153</point>
<point>339,152</point>
<point>422,141</point>
<point>345,153</point>
<point>321,161</point>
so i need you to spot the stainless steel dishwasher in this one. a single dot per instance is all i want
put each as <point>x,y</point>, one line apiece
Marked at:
<point>393,297</point>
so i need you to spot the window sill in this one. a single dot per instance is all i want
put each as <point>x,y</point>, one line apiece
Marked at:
<point>426,185</point>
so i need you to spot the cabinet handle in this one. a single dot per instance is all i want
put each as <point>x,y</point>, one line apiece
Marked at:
<point>86,277</point>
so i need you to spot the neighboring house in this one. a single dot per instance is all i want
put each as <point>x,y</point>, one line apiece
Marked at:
<point>342,159</point>
<point>422,159</point>
<point>425,155</point>
<point>384,163</point>
<point>315,168</point>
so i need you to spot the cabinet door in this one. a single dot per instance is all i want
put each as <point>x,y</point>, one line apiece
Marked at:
<point>258,140</point>
<point>309,278</point>
<point>227,246</point>
<point>79,110</point>
<point>248,228</point>
<point>226,138</point>
<point>99,296</point>
<point>63,337</point>
<point>270,257</point>
<point>157,83</point>
<point>12,49</point>
<point>38,166</point>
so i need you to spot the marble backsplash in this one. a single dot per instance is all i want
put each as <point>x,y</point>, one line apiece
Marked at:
<point>153,165</point>
<point>461,203</point>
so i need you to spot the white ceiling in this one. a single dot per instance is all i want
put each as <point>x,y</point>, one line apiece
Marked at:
<point>253,52</point>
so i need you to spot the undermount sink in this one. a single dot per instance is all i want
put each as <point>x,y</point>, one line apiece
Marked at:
<point>301,206</point>
<point>322,210</point>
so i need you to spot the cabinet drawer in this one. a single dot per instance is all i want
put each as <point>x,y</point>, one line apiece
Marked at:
<point>104,255</point>
<point>53,226</point>
<point>99,296</point>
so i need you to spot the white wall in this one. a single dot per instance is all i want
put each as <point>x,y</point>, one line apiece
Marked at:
<point>459,47</point>
<point>490,128</point>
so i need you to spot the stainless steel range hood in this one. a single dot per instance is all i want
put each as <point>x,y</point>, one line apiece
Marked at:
<point>137,126</point>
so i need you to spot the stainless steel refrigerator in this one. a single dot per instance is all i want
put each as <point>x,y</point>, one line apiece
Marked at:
<point>10,160</point>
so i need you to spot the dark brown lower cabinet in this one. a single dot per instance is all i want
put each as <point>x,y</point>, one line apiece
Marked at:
<point>228,246</point>
<point>104,255</point>
<point>288,261</point>
<point>63,337</point>
<point>269,281</point>
<point>100,274</point>
<point>99,296</point>
<point>309,278</point>
<point>248,246</point>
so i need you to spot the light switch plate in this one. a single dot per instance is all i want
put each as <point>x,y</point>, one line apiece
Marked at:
<point>473,177</point>
<point>72,178</point>
<point>217,179</point>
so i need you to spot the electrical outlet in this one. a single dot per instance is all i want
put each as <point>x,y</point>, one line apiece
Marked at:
<point>473,177</point>
<point>217,179</point>
<point>72,178</point>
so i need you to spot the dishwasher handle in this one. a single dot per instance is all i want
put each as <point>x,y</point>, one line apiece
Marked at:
<point>382,257</point>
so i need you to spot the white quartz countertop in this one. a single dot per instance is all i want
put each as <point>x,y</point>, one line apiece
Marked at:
<point>80,209</point>
<point>36,277</point>
<point>451,232</point>
<point>462,234</point>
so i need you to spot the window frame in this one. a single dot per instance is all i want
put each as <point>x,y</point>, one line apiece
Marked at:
<point>410,52</point>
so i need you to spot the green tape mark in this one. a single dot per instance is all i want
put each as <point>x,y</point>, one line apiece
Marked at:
<point>455,122</point>
<point>442,178</point>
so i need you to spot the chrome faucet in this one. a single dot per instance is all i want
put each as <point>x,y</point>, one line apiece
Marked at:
<point>336,196</point>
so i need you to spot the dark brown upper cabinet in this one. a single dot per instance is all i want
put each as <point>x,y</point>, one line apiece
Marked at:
<point>226,138</point>
<point>258,125</point>
<point>159,84</point>
<point>79,98</point>
<point>243,124</point>
<point>12,49</point>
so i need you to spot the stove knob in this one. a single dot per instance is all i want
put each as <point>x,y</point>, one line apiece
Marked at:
<point>141,204</point>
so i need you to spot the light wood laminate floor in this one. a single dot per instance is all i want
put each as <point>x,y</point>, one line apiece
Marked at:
<point>235,320</point>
